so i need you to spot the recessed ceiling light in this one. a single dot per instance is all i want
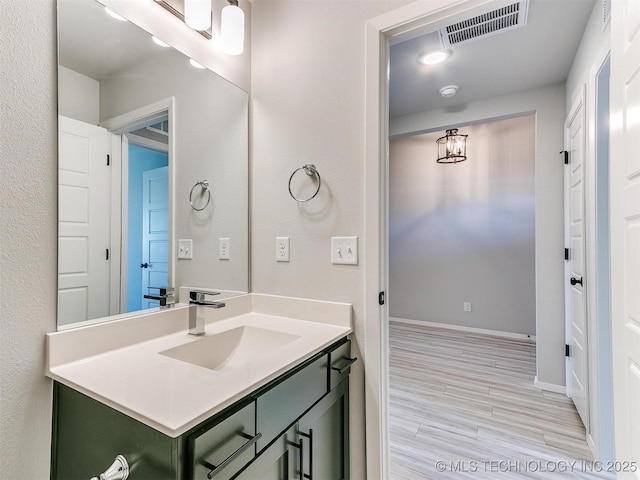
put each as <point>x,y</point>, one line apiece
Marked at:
<point>434,57</point>
<point>157,41</point>
<point>114,15</point>
<point>195,64</point>
<point>449,91</point>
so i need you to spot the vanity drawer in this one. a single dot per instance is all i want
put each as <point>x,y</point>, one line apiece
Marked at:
<point>285,402</point>
<point>225,447</point>
<point>340,362</point>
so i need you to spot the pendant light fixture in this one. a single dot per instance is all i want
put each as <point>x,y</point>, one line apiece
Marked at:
<point>452,148</point>
<point>197,14</point>
<point>232,28</point>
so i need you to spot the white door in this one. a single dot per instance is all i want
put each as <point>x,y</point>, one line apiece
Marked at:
<point>625,229</point>
<point>155,231</point>
<point>577,364</point>
<point>83,221</point>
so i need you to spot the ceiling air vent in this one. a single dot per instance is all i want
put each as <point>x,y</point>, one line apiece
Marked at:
<point>490,23</point>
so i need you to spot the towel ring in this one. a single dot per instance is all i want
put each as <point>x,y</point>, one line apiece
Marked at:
<point>204,184</point>
<point>310,170</point>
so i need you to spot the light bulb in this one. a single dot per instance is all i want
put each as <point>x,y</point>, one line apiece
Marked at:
<point>232,30</point>
<point>197,14</point>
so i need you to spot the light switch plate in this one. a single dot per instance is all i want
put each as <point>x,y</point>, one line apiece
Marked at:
<point>185,249</point>
<point>344,250</point>
<point>224,253</point>
<point>282,249</point>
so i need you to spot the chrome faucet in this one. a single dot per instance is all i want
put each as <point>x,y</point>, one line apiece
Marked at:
<point>165,296</point>
<point>197,302</point>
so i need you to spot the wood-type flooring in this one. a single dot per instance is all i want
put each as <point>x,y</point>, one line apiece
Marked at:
<point>463,406</point>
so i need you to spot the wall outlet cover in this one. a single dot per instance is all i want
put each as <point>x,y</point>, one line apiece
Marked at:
<point>282,249</point>
<point>224,252</point>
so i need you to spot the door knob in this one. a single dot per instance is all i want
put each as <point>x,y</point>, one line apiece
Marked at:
<point>144,265</point>
<point>575,281</point>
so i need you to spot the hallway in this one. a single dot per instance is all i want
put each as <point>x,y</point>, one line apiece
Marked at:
<point>463,405</point>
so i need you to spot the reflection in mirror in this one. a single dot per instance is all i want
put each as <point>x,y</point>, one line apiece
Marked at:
<point>139,126</point>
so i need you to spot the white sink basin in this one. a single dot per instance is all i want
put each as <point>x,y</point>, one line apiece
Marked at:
<point>231,348</point>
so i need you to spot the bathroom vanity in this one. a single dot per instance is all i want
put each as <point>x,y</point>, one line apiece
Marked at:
<point>273,405</point>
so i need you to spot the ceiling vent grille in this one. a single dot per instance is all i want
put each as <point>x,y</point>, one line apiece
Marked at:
<point>487,24</point>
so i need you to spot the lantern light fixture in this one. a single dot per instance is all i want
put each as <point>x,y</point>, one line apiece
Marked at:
<point>452,148</point>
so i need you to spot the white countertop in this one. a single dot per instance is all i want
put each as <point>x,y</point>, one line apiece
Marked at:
<point>119,363</point>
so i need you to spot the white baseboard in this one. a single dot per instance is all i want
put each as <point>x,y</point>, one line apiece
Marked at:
<point>497,333</point>
<point>551,387</point>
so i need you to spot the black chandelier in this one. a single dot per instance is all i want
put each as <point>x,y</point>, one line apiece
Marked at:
<point>452,148</point>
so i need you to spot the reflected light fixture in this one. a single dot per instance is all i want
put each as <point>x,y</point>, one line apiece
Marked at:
<point>159,42</point>
<point>232,28</point>
<point>196,64</point>
<point>114,14</point>
<point>197,14</point>
<point>452,148</point>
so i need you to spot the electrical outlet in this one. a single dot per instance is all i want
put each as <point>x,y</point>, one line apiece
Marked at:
<point>185,249</point>
<point>282,249</point>
<point>224,253</point>
<point>467,306</point>
<point>344,250</point>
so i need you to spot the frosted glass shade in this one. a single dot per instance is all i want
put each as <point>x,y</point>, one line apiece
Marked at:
<point>232,30</point>
<point>197,14</point>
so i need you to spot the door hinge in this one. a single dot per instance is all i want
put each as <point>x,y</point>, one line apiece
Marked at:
<point>567,351</point>
<point>381,298</point>
<point>108,159</point>
<point>566,254</point>
<point>107,254</point>
<point>566,156</point>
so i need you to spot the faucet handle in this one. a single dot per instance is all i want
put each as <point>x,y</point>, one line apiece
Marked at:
<point>199,295</point>
<point>162,291</point>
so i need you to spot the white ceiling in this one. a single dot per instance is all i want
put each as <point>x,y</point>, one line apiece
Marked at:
<point>538,54</point>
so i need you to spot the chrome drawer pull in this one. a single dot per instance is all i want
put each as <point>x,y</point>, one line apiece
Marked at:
<point>233,456</point>
<point>350,361</point>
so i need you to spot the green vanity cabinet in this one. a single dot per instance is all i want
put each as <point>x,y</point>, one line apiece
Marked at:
<point>300,419</point>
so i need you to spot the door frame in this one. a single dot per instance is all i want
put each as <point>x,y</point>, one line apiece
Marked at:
<point>380,32</point>
<point>121,125</point>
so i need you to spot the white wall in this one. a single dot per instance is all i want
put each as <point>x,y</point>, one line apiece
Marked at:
<point>465,232</point>
<point>28,267</point>
<point>308,78</point>
<point>78,96</point>
<point>548,105</point>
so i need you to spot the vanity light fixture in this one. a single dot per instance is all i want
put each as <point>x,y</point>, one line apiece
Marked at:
<point>197,14</point>
<point>232,28</point>
<point>114,15</point>
<point>159,42</point>
<point>196,64</point>
<point>434,57</point>
<point>452,148</point>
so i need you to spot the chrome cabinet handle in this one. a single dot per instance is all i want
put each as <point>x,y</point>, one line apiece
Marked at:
<point>216,468</point>
<point>350,361</point>
<point>119,470</point>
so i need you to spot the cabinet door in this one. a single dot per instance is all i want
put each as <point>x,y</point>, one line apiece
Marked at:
<point>324,434</point>
<point>88,435</point>
<point>278,462</point>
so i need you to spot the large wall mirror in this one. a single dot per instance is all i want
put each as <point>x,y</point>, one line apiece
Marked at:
<point>153,170</point>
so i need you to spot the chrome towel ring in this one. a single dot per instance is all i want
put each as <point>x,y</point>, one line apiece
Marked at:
<point>204,185</point>
<point>311,171</point>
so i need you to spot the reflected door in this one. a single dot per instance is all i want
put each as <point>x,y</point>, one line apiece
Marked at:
<point>155,231</point>
<point>83,221</point>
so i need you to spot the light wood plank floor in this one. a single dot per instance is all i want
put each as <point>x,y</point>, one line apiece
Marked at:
<point>468,400</point>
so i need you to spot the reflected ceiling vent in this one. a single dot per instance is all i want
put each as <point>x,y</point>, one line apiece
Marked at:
<point>513,15</point>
